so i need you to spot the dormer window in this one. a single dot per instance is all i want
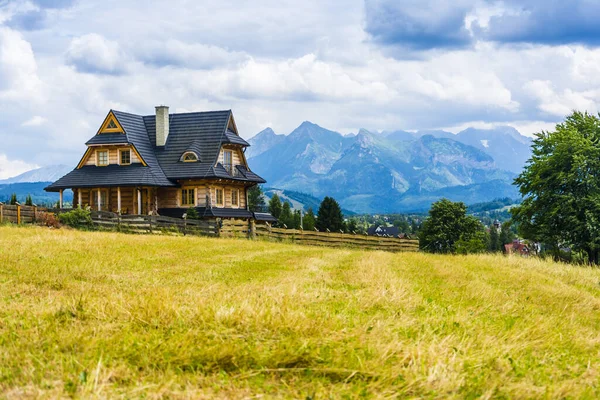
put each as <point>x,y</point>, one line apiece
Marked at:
<point>189,156</point>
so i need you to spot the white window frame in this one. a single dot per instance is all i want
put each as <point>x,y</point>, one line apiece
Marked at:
<point>181,197</point>
<point>190,153</point>
<point>121,151</point>
<point>222,203</point>
<point>237,198</point>
<point>98,158</point>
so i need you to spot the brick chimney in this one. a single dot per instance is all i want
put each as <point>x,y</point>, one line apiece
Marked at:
<point>162,125</point>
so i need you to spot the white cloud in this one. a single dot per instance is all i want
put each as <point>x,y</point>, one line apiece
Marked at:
<point>95,54</point>
<point>10,168</point>
<point>35,121</point>
<point>18,67</point>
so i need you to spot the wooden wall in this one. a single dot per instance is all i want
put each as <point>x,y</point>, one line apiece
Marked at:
<point>113,155</point>
<point>171,197</point>
<point>236,156</point>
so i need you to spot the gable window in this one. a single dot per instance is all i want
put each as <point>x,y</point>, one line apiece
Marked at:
<point>189,157</point>
<point>125,157</point>
<point>111,125</point>
<point>228,160</point>
<point>235,197</point>
<point>188,197</point>
<point>219,196</point>
<point>102,158</point>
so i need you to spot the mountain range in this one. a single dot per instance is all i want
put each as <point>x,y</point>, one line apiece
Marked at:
<point>396,171</point>
<point>367,172</point>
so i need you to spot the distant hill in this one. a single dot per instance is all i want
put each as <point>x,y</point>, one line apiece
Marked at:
<point>50,173</point>
<point>36,190</point>
<point>392,171</point>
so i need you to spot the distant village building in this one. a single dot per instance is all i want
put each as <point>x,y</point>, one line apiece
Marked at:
<point>165,164</point>
<point>381,230</point>
<point>516,247</point>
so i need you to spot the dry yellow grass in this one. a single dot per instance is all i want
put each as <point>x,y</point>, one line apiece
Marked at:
<point>88,314</point>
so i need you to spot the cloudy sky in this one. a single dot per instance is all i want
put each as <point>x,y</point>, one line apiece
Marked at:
<point>343,64</point>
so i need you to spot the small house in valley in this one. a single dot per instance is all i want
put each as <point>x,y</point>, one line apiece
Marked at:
<point>382,230</point>
<point>164,164</point>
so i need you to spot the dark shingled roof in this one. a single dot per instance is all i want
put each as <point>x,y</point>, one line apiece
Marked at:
<point>231,137</point>
<point>264,217</point>
<point>111,175</point>
<point>108,138</point>
<point>201,132</point>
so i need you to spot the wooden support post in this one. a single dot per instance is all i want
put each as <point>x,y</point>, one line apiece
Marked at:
<point>139,196</point>
<point>79,198</point>
<point>252,231</point>
<point>19,214</point>
<point>60,199</point>
<point>99,198</point>
<point>1,213</point>
<point>119,200</point>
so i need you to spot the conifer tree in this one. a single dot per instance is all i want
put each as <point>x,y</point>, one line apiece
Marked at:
<point>275,206</point>
<point>308,222</point>
<point>330,216</point>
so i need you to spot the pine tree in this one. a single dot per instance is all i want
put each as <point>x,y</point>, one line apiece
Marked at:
<point>330,216</point>
<point>28,200</point>
<point>256,200</point>
<point>286,216</point>
<point>308,222</point>
<point>352,225</point>
<point>275,206</point>
<point>297,219</point>
<point>13,199</point>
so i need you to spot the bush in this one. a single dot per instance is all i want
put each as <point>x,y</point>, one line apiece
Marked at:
<point>77,218</point>
<point>192,213</point>
<point>47,219</point>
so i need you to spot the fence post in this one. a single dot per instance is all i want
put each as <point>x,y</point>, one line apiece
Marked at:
<point>252,231</point>
<point>1,213</point>
<point>18,214</point>
<point>34,214</point>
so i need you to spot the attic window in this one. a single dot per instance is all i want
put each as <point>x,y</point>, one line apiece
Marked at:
<point>189,156</point>
<point>111,125</point>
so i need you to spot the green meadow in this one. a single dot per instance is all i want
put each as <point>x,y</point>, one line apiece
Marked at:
<point>108,315</point>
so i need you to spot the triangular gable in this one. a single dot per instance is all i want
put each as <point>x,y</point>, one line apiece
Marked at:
<point>111,125</point>
<point>231,124</point>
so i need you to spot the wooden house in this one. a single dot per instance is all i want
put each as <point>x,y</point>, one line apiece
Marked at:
<point>164,164</point>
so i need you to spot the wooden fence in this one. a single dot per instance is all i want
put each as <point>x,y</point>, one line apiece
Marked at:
<point>239,228</point>
<point>332,239</point>
<point>153,224</point>
<point>18,214</point>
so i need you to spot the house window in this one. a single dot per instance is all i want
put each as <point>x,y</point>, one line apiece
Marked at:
<point>235,197</point>
<point>189,157</point>
<point>125,157</point>
<point>219,195</point>
<point>228,161</point>
<point>103,199</point>
<point>102,158</point>
<point>111,125</point>
<point>187,197</point>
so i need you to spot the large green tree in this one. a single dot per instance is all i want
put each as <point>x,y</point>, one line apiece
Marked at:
<point>330,216</point>
<point>561,188</point>
<point>275,206</point>
<point>256,201</point>
<point>309,220</point>
<point>286,216</point>
<point>449,229</point>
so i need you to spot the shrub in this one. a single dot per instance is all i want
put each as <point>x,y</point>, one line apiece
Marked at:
<point>77,218</point>
<point>47,219</point>
<point>192,213</point>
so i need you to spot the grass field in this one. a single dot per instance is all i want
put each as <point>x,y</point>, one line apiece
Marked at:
<point>110,315</point>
